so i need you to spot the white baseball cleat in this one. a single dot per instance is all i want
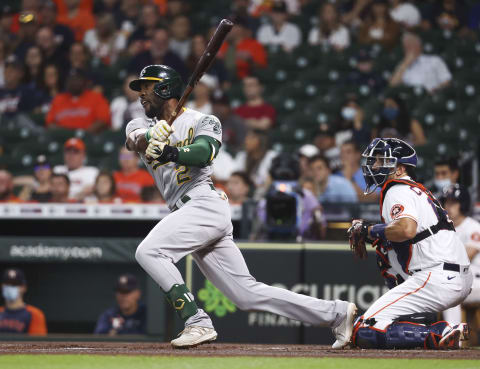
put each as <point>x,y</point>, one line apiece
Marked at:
<point>343,333</point>
<point>453,335</point>
<point>193,336</point>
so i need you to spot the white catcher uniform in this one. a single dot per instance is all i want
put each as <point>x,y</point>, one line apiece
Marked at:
<point>431,286</point>
<point>469,233</point>
<point>202,227</point>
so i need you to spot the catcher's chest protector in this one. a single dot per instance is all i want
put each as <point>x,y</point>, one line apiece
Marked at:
<point>443,221</point>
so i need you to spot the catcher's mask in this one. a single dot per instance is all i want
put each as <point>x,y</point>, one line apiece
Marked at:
<point>380,159</point>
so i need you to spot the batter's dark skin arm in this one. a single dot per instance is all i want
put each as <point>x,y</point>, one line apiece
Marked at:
<point>139,144</point>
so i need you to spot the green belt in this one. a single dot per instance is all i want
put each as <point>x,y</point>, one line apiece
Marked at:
<point>186,198</point>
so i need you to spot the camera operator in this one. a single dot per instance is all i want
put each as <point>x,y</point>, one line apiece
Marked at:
<point>289,211</point>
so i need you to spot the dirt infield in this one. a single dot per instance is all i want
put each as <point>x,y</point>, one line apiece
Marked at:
<point>209,350</point>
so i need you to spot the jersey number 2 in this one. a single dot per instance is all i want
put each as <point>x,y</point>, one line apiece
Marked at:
<point>182,174</point>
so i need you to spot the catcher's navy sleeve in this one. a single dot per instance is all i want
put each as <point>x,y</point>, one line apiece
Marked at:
<point>104,324</point>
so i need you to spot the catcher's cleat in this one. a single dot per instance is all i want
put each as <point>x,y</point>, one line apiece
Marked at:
<point>453,335</point>
<point>343,333</point>
<point>193,336</point>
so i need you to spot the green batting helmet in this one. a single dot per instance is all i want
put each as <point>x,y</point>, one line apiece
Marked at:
<point>169,82</point>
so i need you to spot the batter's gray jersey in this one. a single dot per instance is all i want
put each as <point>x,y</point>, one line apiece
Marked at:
<point>174,180</point>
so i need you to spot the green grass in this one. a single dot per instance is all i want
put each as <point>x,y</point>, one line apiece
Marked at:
<point>164,362</point>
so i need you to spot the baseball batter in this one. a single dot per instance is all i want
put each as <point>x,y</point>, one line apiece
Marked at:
<point>418,237</point>
<point>456,200</point>
<point>179,159</point>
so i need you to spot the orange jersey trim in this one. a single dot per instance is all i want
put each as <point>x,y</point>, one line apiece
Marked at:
<point>38,325</point>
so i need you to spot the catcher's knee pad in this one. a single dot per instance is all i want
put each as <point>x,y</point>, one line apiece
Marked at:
<point>399,335</point>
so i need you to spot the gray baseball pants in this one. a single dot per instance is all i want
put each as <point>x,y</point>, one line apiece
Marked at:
<point>202,227</point>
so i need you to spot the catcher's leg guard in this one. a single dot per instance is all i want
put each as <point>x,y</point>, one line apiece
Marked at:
<point>399,335</point>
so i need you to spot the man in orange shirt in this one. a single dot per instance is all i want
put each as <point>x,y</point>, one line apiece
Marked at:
<point>6,187</point>
<point>16,316</point>
<point>79,108</point>
<point>241,52</point>
<point>78,17</point>
<point>130,180</point>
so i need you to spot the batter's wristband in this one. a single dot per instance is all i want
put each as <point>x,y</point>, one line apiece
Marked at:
<point>378,231</point>
<point>147,135</point>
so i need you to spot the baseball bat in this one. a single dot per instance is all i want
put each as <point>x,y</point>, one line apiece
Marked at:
<point>203,64</point>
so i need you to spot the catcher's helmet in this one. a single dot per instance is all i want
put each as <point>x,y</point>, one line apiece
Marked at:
<point>169,83</point>
<point>381,157</point>
<point>458,193</point>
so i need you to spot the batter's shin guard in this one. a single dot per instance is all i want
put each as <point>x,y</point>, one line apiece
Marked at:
<point>182,301</point>
<point>399,335</point>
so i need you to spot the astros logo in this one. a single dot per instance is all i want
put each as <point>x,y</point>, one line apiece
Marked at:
<point>397,209</point>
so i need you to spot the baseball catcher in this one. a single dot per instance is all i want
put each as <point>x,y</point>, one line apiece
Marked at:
<point>418,251</point>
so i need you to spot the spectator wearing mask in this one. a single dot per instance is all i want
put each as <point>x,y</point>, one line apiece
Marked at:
<point>417,69</point>
<point>104,190</point>
<point>451,15</point>
<point>158,54</point>
<point>256,158</point>
<point>405,13</point>
<point>396,122</point>
<point>202,95</point>
<point>240,52</point>
<point>104,41</point>
<point>15,97</point>
<point>329,30</point>
<point>350,124</point>
<point>180,41</point>
<point>257,114</point>
<point>351,170</point>
<point>280,32</point>
<point>6,187</point>
<point>238,188</point>
<point>379,27</point>
<point>234,128</point>
<point>79,107</point>
<point>330,188</point>
<point>79,19</point>
<point>82,177</point>
<point>129,316</point>
<point>130,180</point>
<point>126,107</point>
<point>17,316</point>
<point>446,173</point>
<point>60,189</point>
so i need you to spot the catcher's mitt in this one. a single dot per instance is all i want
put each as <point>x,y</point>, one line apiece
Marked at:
<point>358,235</point>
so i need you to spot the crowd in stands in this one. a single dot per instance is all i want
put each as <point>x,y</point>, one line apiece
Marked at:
<point>66,65</point>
